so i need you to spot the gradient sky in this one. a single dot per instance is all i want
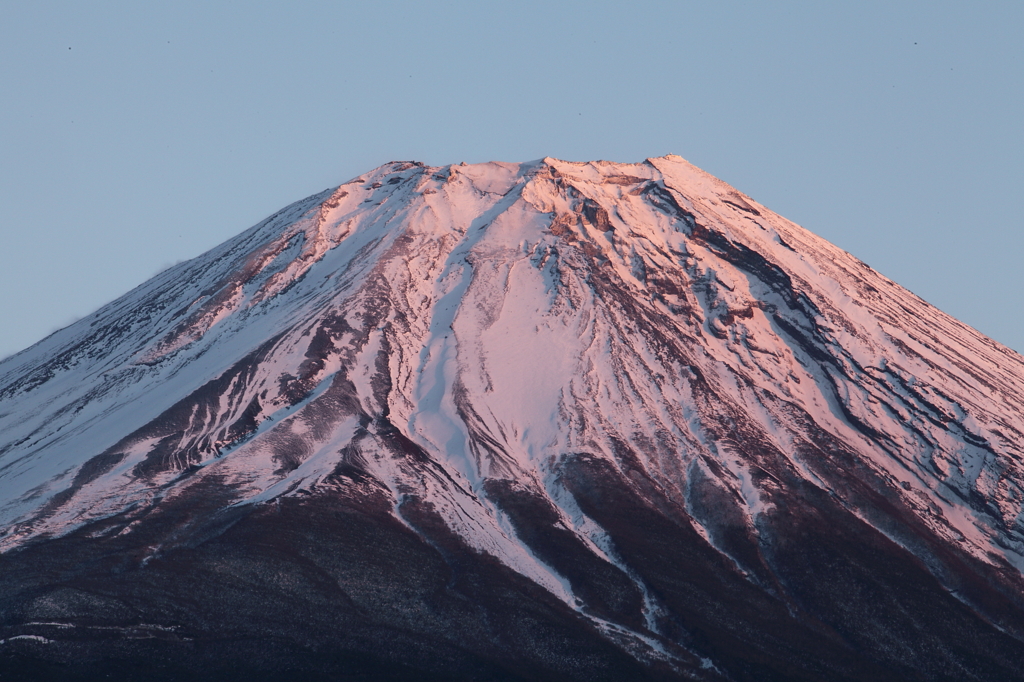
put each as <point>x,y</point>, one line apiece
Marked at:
<point>133,135</point>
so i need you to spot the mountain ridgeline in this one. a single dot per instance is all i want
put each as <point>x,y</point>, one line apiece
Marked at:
<point>539,421</point>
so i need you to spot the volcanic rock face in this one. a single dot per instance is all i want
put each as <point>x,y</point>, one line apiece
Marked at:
<point>515,421</point>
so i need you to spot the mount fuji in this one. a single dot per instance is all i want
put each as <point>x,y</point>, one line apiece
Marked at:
<point>537,421</point>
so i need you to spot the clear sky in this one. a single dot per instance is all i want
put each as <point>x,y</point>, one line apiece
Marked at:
<point>134,135</point>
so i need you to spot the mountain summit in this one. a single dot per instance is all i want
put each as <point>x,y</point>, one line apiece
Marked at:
<point>549,420</point>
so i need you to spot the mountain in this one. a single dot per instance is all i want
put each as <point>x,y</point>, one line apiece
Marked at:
<point>539,421</point>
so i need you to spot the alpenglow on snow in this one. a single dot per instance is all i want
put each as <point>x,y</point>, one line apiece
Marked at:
<point>548,420</point>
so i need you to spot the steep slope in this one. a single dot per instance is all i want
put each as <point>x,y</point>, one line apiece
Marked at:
<point>563,420</point>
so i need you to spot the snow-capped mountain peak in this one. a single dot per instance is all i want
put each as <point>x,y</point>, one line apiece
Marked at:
<point>498,348</point>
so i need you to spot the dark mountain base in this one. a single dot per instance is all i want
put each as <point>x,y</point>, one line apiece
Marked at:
<point>298,590</point>
<point>335,588</point>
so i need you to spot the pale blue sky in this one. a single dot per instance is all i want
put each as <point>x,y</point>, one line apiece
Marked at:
<point>133,136</point>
